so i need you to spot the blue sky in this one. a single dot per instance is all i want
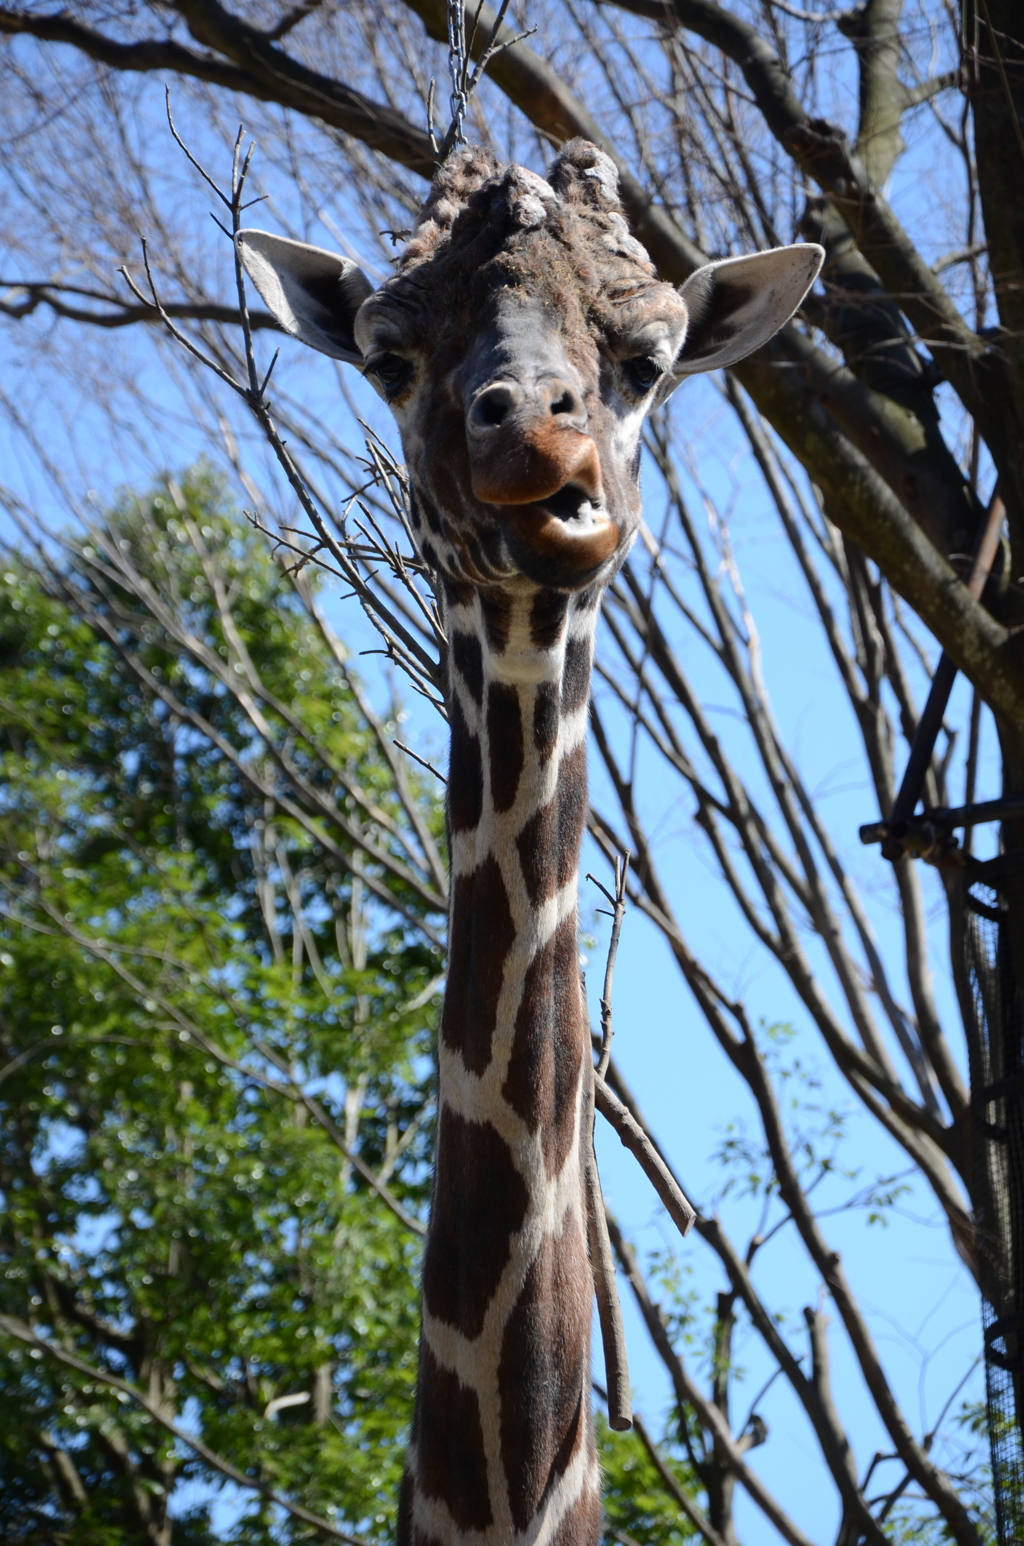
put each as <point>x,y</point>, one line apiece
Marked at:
<point>918,1298</point>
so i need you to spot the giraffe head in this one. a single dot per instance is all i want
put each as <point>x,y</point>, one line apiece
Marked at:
<point>520,344</point>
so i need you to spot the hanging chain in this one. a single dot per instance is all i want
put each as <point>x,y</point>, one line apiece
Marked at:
<point>456,137</point>
<point>463,83</point>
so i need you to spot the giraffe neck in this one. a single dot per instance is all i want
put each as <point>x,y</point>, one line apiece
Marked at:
<point>502,1448</point>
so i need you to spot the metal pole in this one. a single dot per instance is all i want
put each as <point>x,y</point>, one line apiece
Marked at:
<point>957,816</point>
<point>930,723</point>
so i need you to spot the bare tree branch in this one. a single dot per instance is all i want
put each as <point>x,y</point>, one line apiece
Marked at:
<point>250,63</point>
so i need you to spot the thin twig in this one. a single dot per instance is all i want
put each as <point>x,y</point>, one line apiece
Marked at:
<point>459,55</point>
<point>401,645</point>
<point>617,903</point>
<point>609,1310</point>
<point>686,1504</point>
<point>423,762</point>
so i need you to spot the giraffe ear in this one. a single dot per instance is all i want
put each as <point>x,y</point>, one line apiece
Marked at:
<point>313,294</point>
<point>736,305</point>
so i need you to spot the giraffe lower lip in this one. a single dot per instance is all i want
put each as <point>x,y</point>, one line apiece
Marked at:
<point>581,540</point>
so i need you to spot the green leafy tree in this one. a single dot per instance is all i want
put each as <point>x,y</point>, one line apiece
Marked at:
<point>215,1070</point>
<point>644,1497</point>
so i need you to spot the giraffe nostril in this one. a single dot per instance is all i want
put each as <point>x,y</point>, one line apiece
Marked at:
<point>492,410</point>
<point>507,407</point>
<point>491,407</point>
<point>564,402</point>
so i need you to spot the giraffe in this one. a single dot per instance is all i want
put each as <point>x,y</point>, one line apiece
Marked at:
<point>520,343</point>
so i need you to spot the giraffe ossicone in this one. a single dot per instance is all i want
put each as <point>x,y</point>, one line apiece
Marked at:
<point>520,343</point>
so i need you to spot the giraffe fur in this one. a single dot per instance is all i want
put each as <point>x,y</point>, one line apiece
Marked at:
<point>514,1072</point>
<point>520,344</point>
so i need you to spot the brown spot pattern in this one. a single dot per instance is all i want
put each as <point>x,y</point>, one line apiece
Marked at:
<point>576,675</point>
<point>545,720</point>
<point>538,856</point>
<point>430,511</point>
<point>547,616</point>
<point>479,1202</point>
<point>469,662</point>
<point>543,1373</point>
<point>582,1525</point>
<point>428,553</point>
<point>505,737</point>
<point>496,610</point>
<point>465,774</point>
<point>476,552</point>
<point>451,1465</point>
<point>405,1530</point>
<point>572,811</point>
<point>481,937</point>
<point>457,593</point>
<point>544,1067</point>
<point>549,842</point>
<point>492,547</point>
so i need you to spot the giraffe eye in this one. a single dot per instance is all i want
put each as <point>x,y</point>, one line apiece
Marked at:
<point>643,372</point>
<point>390,371</point>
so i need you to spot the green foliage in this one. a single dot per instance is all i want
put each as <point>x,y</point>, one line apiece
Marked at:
<point>637,1505</point>
<point>183,968</point>
<point>678,1303</point>
<point>815,1133</point>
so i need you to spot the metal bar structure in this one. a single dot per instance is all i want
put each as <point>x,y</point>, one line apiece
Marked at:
<point>929,836</point>
<point>930,723</point>
<point>986,900</point>
<point>936,825</point>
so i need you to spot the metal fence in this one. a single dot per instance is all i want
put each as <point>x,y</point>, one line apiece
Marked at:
<point>993,981</point>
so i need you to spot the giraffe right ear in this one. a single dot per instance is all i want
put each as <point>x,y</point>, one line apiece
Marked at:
<point>312,293</point>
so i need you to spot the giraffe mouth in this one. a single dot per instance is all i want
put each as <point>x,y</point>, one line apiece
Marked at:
<point>568,526</point>
<point>575,508</point>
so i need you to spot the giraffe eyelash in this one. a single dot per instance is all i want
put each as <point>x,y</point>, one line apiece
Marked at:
<point>644,372</point>
<point>391,371</point>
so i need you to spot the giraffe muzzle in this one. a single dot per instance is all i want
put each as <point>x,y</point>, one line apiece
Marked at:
<point>525,467</point>
<point>572,550</point>
<point>526,442</point>
<point>531,456</point>
<point>547,485</point>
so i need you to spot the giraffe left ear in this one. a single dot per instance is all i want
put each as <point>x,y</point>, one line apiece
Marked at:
<point>312,293</point>
<point>736,305</point>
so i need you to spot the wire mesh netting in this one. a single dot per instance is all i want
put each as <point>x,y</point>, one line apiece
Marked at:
<point>993,976</point>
